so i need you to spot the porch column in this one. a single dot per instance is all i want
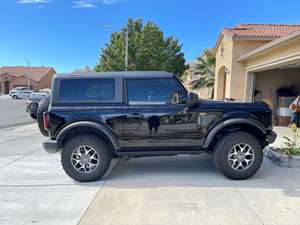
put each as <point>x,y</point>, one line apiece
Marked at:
<point>249,86</point>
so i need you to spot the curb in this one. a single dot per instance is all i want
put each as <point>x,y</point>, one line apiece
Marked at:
<point>281,159</point>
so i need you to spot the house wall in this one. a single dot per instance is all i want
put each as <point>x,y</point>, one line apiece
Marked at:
<point>3,78</point>
<point>235,77</point>
<point>46,81</point>
<point>222,61</point>
<point>283,51</point>
<point>22,81</point>
<point>237,74</point>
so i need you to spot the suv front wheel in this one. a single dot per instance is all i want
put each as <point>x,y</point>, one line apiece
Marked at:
<point>86,158</point>
<point>238,155</point>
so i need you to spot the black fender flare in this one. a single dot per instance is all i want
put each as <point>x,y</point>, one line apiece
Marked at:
<point>228,122</point>
<point>106,131</point>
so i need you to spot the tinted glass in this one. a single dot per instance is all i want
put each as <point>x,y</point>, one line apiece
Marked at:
<point>154,91</point>
<point>87,90</point>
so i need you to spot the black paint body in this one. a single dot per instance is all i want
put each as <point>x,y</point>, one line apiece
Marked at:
<point>171,128</point>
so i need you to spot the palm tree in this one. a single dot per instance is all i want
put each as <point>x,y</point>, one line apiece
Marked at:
<point>205,69</point>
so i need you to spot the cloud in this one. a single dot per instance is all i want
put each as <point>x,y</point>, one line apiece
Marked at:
<point>34,1</point>
<point>94,3</point>
<point>83,4</point>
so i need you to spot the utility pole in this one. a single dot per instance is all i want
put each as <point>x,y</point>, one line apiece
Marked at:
<point>126,49</point>
<point>28,85</point>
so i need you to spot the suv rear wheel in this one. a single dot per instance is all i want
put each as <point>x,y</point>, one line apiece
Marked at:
<point>86,158</point>
<point>238,155</point>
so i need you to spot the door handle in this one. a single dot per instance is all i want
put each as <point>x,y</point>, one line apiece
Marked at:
<point>135,115</point>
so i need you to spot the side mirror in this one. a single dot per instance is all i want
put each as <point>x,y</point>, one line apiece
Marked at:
<point>192,98</point>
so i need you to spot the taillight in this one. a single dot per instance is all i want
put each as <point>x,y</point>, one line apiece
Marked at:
<point>46,120</point>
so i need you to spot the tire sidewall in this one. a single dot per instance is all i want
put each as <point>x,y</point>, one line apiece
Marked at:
<point>227,143</point>
<point>98,145</point>
<point>33,116</point>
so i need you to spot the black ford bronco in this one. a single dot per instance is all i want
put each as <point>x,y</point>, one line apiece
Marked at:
<point>95,117</point>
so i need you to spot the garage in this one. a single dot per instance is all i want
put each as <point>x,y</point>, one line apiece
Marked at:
<point>273,75</point>
<point>278,88</point>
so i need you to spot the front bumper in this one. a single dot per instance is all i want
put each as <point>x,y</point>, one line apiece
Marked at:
<point>50,146</point>
<point>271,137</point>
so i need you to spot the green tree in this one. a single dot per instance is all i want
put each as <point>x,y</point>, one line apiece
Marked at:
<point>147,50</point>
<point>205,68</point>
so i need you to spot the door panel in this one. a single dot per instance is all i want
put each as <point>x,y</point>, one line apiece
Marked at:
<point>163,126</point>
<point>154,118</point>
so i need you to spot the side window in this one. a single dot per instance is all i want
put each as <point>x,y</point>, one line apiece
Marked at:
<point>86,90</point>
<point>153,90</point>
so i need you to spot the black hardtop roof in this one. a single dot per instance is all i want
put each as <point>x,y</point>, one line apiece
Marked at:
<point>125,74</point>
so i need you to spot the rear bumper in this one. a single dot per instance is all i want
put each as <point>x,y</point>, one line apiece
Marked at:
<point>271,137</point>
<point>50,146</point>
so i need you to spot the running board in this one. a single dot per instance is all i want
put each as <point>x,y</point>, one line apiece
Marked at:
<point>136,153</point>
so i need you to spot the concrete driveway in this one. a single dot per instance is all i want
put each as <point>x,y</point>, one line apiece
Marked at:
<point>183,190</point>
<point>33,186</point>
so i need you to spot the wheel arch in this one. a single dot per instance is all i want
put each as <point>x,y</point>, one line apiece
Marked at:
<point>236,124</point>
<point>87,127</point>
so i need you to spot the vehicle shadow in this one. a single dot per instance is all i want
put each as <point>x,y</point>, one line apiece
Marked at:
<point>195,171</point>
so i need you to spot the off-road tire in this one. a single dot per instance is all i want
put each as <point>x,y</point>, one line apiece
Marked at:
<point>33,116</point>
<point>223,147</point>
<point>43,107</point>
<point>98,145</point>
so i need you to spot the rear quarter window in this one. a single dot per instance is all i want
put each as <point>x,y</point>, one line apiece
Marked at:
<point>87,90</point>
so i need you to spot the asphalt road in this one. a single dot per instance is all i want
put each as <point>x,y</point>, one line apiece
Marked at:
<point>183,190</point>
<point>12,112</point>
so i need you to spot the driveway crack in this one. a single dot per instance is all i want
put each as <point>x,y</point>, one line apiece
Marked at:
<point>248,204</point>
<point>17,159</point>
<point>98,192</point>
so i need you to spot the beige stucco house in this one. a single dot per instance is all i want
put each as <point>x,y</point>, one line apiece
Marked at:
<point>254,60</point>
<point>249,54</point>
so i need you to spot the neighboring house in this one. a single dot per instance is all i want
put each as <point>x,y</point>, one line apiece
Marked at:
<point>192,75</point>
<point>16,76</point>
<point>85,70</point>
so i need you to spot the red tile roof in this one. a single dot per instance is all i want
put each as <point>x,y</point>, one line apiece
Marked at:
<point>35,73</point>
<point>260,31</point>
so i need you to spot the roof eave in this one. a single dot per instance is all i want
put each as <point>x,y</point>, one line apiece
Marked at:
<point>268,46</point>
<point>221,35</point>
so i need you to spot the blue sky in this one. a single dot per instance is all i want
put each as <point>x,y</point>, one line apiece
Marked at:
<point>68,34</point>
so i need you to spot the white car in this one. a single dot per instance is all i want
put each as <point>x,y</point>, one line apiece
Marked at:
<point>17,89</point>
<point>22,94</point>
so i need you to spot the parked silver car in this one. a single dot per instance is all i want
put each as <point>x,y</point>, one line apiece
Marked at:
<point>17,89</point>
<point>22,94</point>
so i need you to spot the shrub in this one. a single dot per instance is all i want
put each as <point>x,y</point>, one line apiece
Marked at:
<point>291,146</point>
